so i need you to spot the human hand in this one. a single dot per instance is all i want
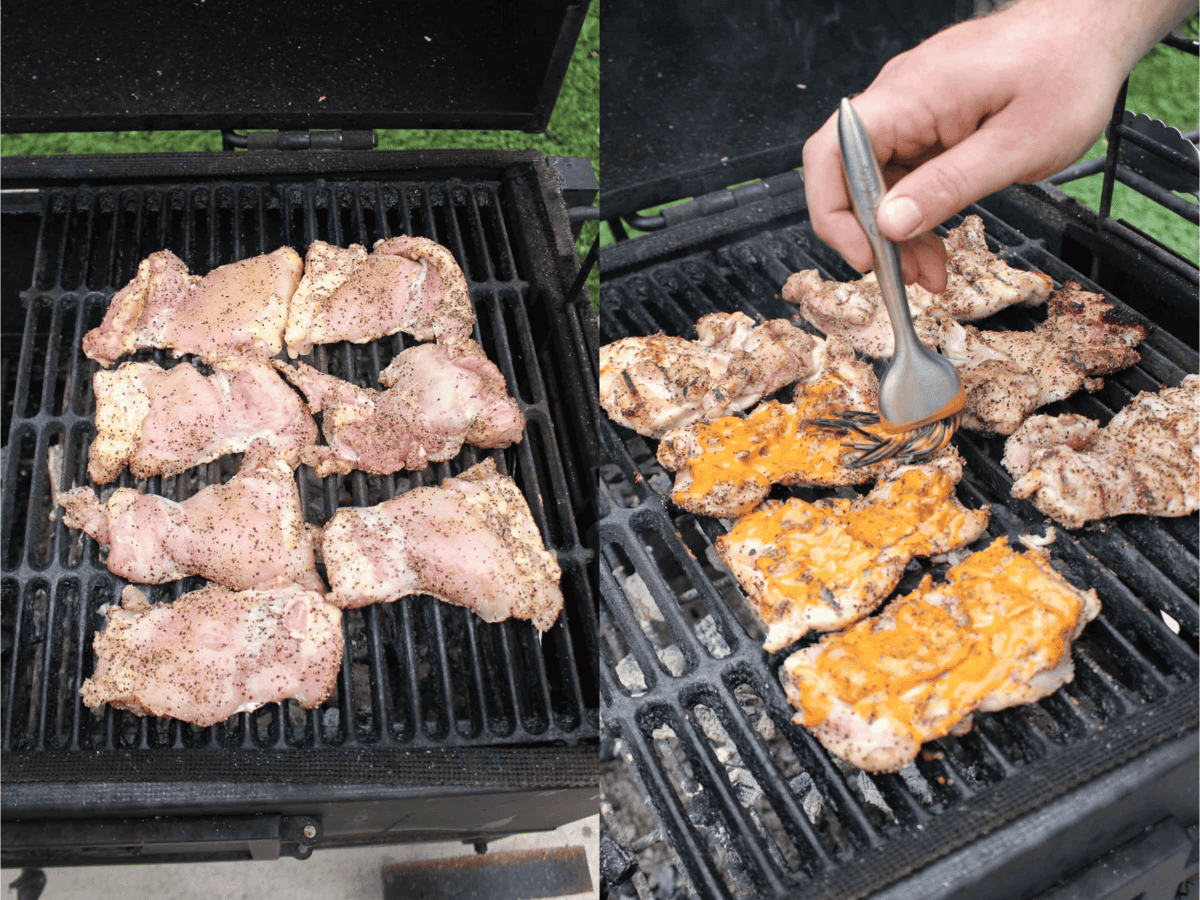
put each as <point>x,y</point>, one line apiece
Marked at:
<point>1015,96</point>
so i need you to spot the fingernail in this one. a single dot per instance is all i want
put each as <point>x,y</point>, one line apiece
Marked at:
<point>902,216</point>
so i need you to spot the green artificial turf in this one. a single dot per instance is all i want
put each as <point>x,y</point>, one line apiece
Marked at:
<point>1164,85</point>
<point>574,130</point>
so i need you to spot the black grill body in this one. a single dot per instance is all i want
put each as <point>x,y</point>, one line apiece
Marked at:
<point>751,803</point>
<point>441,725</point>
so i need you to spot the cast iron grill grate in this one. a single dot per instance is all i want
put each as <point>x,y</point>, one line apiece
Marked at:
<point>750,802</point>
<point>416,673</point>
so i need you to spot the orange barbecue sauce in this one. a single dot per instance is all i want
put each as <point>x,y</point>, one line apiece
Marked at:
<point>1011,617</point>
<point>775,444</point>
<point>814,551</point>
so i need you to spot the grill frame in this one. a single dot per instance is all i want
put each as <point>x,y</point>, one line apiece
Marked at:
<point>554,339</point>
<point>732,241</point>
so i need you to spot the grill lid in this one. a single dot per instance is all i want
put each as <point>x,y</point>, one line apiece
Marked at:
<point>214,64</point>
<point>702,96</point>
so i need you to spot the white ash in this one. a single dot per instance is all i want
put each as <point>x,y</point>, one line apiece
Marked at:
<point>640,598</point>
<point>714,560</point>
<point>54,458</point>
<point>802,786</point>
<point>865,786</point>
<point>710,636</point>
<point>331,718</point>
<point>673,660</point>
<point>917,784</point>
<point>630,674</point>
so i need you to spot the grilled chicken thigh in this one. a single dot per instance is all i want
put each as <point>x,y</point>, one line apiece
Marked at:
<point>438,397</point>
<point>240,308</point>
<point>213,653</point>
<point>996,633</point>
<point>471,542</point>
<point>408,284</point>
<point>978,284</point>
<point>656,383</point>
<point>821,566</point>
<point>725,468</point>
<point>162,422</point>
<point>1009,374</point>
<point>1145,460</point>
<point>249,533</point>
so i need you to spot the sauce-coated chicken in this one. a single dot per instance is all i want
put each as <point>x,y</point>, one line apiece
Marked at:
<point>163,421</point>
<point>997,633</point>
<point>239,309</point>
<point>438,397</point>
<point>214,653</point>
<point>821,566</point>
<point>471,542</point>
<point>656,383</point>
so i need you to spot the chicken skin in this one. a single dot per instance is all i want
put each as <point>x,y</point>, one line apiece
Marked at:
<point>471,542</point>
<point>409,284</point>
<point>214,653</point>
<point>978,284</point>
<point>1145,460</point>
<point>164,421</point>
<point>438,397</point>
<point>656,383</point>
<point>248,533</point>
<point>238,309</point>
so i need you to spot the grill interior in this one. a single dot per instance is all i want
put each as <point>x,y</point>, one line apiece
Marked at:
<point>751,804</point>
<point>416,673</point>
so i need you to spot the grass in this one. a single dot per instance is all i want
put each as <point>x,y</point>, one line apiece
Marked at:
<point>574,130</point>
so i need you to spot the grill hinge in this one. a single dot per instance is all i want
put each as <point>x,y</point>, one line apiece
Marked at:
<point>300,140</point>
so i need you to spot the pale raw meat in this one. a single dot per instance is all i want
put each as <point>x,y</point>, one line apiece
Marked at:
<point>821,566</point>
<point>164,421</point>
<point>238,309</point>
<point>409,284</point>
<point>438,397</point>
<point>1145,460</point>
<point>1008,374</point>
<point>978,284</point>
<point>248,533</point>
<point>471,542</point>
<point>214,653</point>
<point>996,634</point>
<point>656,383</point>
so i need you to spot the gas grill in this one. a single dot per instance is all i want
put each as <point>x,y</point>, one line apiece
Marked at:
<point>709,787</point>
<point>441,726</point>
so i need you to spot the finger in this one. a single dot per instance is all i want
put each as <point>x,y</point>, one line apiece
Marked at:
<point>990,159</point>
<point>929,255</point>
<point>828,200</point>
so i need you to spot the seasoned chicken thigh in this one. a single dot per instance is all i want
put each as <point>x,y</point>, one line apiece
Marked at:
<point>997,633</point>
<point>471,542</point>
<point>978,284</point>
<point>214,653</point>
<point>249,533</point>
<point>1008,374</point>
<point>1145,460</point>
<point>409,284</point>
<point>239,309</point>
<point>656,383</point>
<point>163,421</point>
<point>438,397</point>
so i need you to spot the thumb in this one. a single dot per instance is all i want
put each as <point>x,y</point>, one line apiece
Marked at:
<point>931,193</point>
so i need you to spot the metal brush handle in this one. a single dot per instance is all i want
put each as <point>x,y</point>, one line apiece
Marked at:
<point>864,180</point>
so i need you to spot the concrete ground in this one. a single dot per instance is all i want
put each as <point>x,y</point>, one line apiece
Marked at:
<point>353,874</point>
